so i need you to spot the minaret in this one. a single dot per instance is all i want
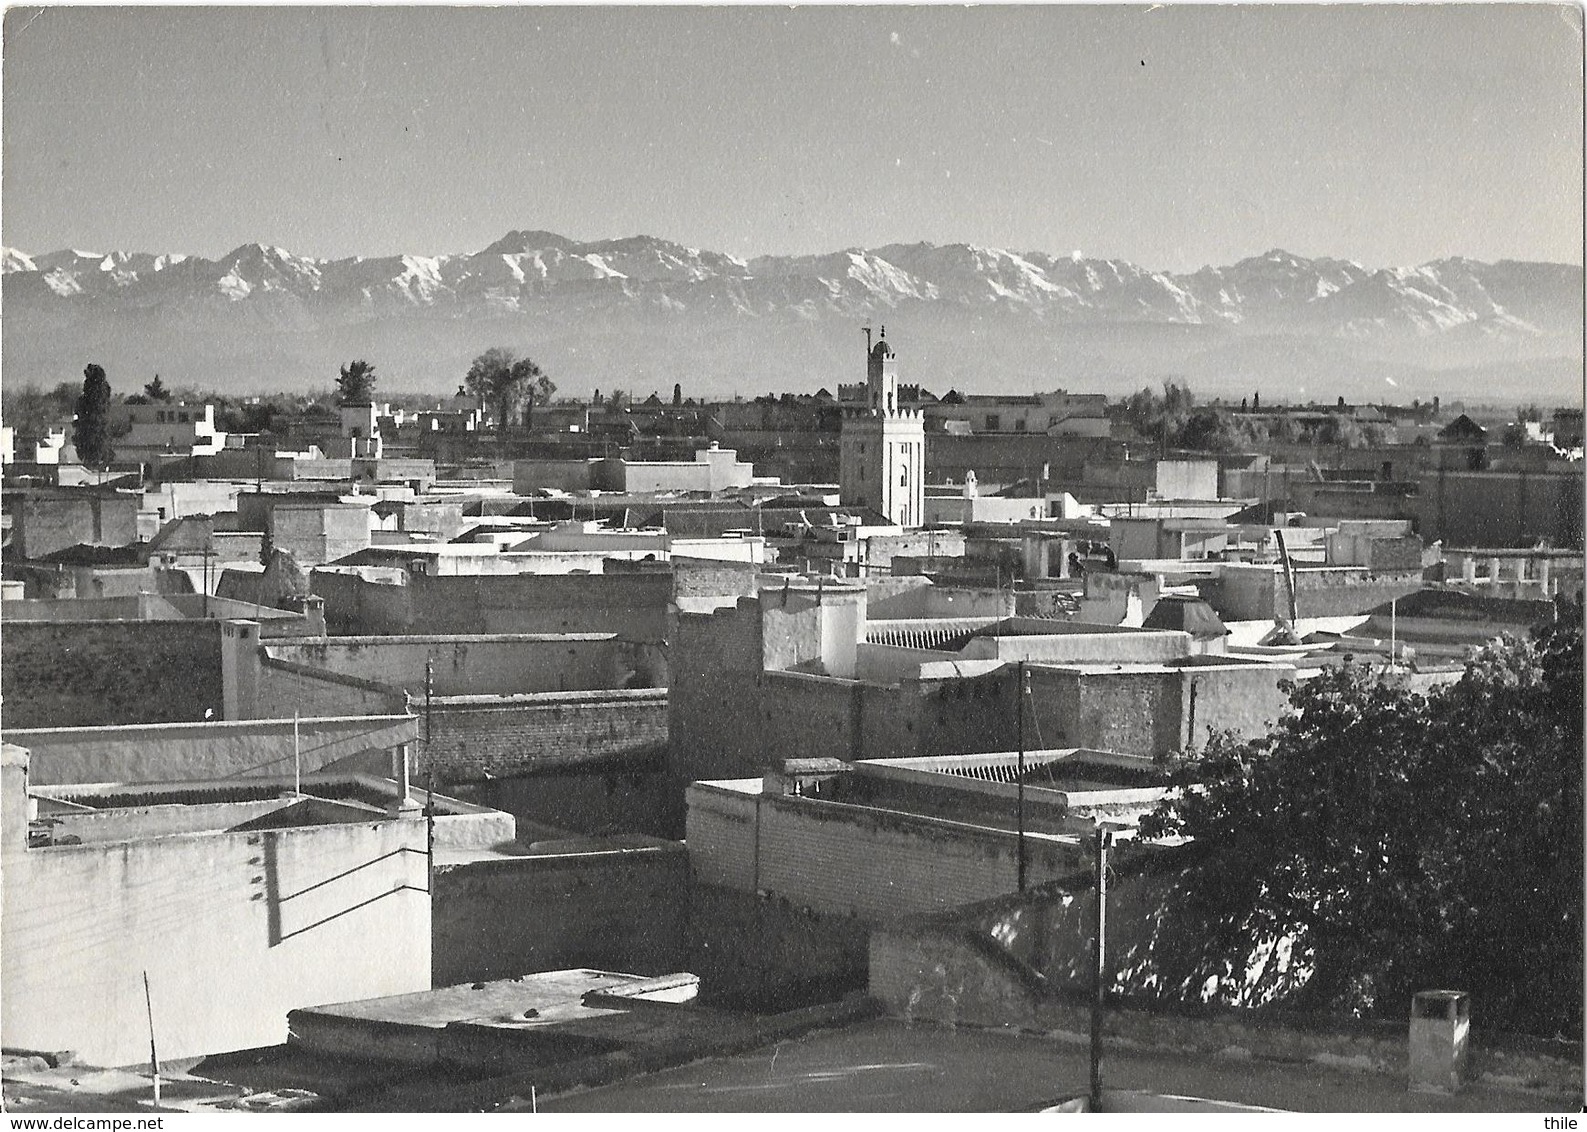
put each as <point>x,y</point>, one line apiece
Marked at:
<point>882,456</point>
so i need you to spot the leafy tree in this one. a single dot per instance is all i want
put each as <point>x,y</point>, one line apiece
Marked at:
<point>249,416</point>
<point>1341,430</point>
<point>156,391</point>
<point>1283,430</point>
<point>355,385</point>
<point>1514,435</point>
<point>1208,430</point>
<point>1160,419</point>
<point>1408,841</point>
<point>505,381</point>
<point>541,390</point>
<point>27,408</point>
<point>90,430</point>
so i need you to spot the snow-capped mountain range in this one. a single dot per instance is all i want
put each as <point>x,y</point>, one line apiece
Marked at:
<point>624,312</point>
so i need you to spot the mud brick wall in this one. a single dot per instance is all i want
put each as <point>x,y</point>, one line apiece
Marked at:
<point>104,673</point>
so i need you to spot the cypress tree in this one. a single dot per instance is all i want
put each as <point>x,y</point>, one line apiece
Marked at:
<point>91,428</point>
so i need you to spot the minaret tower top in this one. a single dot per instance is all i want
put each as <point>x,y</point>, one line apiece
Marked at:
<point>881,375</point>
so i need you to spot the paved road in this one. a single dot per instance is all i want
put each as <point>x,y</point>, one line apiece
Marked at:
<point>884,1066</point>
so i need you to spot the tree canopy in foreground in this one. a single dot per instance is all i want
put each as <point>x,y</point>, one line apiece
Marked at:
<point>1409,841</point>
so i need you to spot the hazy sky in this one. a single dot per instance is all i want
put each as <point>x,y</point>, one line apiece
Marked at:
<point>1172,136</point>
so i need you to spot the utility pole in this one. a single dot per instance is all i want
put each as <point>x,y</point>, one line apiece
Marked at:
<point>209,553</point>
<point>154,1057</point>
<point>1099,970</point>
<point>429,694</point>
<point>429,781</point>
<point>1394,632</point>
<point>1019,776</point>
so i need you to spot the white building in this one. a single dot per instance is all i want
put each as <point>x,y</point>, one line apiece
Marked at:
<point>139,431</point>
<point>1058,413</point>
<point>360,437</point>
<point>882,456</point>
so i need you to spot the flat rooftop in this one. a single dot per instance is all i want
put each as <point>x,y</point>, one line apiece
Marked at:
<point>874,1065</point>
<point>891,1066</point>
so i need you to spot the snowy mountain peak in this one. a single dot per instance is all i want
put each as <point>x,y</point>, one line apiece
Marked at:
<point>13,260</point>
<point>518,242</point>
<point>672,307</point>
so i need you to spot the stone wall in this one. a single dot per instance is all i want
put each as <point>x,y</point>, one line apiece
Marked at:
<point>633,606</point>
<point>286,689</point>
<point>104,673</point>
<point>1153,711</point>
<point>318,533</point>
<point>1395,555</point>
<point>1334,500</point>
<point>175,752</point>
<point>637,795</point>
<point>731,718</point>
<point>1500,508</point>
<point>616,909</point>
<point>51,521</point>
<point>765,953</point>
<point>1258,593</point>
<point>1006,457</point>
<point>706,578</point>
<point>854,860</point>
<point>474,738</point>
<point>478,664</point>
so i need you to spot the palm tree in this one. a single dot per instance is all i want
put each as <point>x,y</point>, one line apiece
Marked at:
<point>356,383</point>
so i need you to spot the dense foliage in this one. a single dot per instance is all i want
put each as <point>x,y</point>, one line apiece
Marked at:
<point>1411,841</point>
<point>32,411</point>
<point>507,381</point>
<point>91,428</point>
<point>1172,419</point>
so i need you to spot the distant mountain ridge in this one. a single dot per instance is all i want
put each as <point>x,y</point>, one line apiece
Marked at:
<point>622,312</point>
